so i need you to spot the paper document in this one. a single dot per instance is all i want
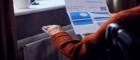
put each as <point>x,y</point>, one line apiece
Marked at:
<point>87,16</point>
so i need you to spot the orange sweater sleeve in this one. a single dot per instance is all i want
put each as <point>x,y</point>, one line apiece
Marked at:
<point>82,49</point>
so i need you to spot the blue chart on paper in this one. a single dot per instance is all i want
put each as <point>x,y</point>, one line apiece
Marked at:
<point>83,22</point>
<point>100,12</point>
<point>81,18</point>
<point>101,18</point>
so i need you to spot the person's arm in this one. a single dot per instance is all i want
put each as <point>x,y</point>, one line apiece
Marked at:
<point>79,49</point>
<point>72,48</point>
<point>64,42</point>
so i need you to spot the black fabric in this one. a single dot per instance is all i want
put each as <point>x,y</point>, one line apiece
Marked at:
<point>138,2</point>
<point>126,4</point>
<point>123,43</point>
<point>121,5</point>
<point>7,31</point>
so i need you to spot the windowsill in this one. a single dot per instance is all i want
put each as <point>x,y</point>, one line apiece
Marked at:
<point>43,6</point>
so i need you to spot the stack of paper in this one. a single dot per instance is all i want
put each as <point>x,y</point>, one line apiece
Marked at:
<point>87,16</point>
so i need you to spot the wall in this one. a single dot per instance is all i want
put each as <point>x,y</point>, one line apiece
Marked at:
<point>32,43</point>
<point>29,25</point>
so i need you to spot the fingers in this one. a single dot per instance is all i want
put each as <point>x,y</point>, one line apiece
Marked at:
<point>112,14</point>
<point>45,28</point>
<point>51,28</point>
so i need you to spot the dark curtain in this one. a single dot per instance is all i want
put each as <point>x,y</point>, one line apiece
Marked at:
<point>7,31</point>
<point>129,3</point>
<point>118,5</point>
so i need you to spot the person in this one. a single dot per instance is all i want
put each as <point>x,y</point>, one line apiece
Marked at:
<point>91,46</point>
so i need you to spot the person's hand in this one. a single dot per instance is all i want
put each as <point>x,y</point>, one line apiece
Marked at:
<point>52,29</point>
<point>113,14</point>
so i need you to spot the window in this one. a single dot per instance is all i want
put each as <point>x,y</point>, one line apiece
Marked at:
<point>22,7</point>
